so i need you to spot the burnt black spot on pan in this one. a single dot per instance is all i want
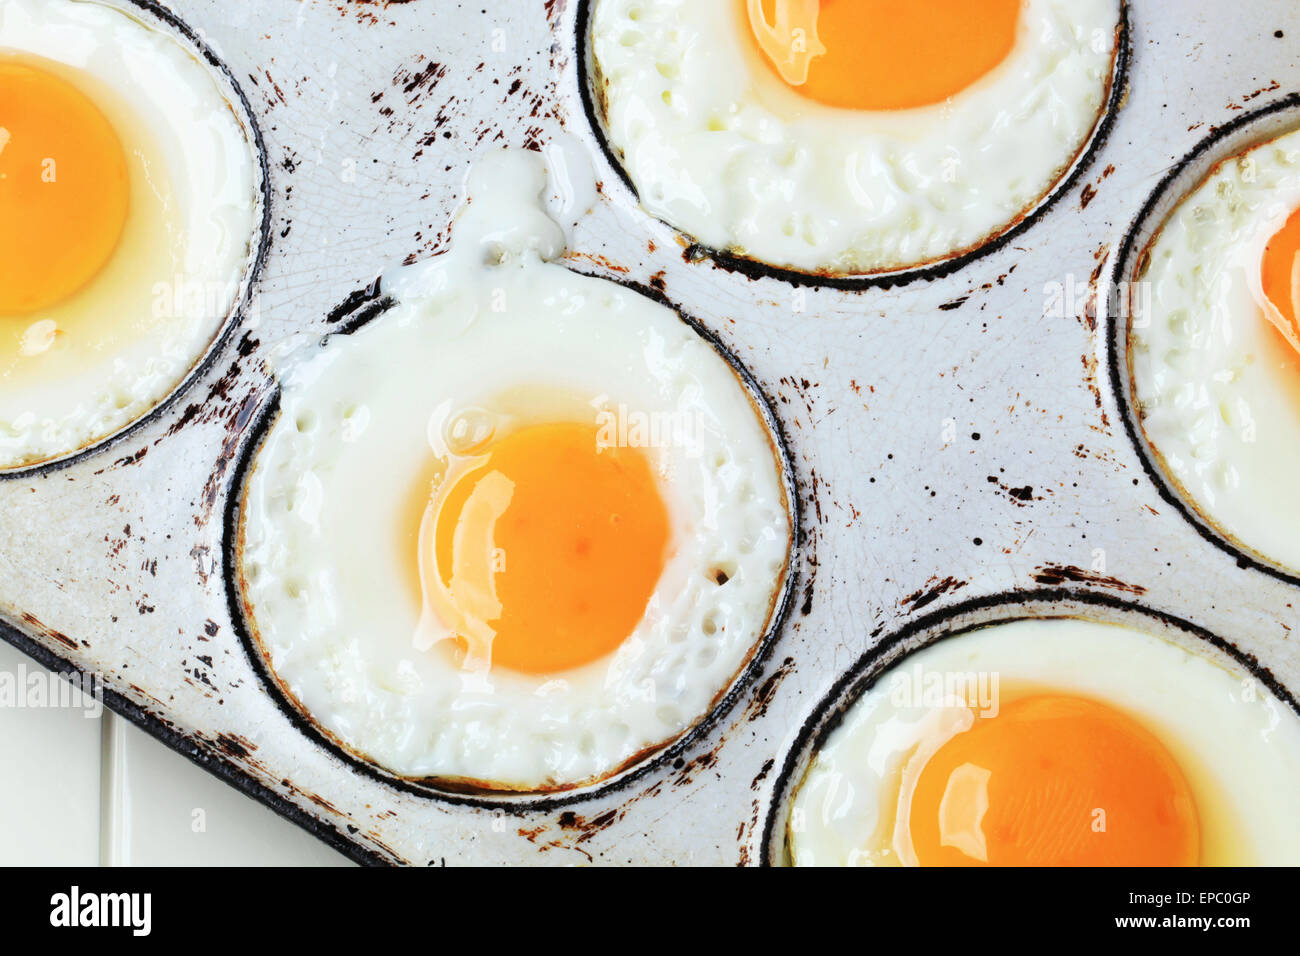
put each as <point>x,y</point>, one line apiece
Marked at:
<point>357,310</point>
<point>1128,262</point>
<point>949,623</point>
<point>1056,574</point>
<point>169,22</point>
<point>933,590</point>
<point>754,269</point>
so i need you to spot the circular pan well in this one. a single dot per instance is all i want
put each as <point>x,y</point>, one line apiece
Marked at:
<point>962,619</point>
<point>755,269</point>
<point>360,308</point>
<point>1247,130</point>
<point>159,18</point>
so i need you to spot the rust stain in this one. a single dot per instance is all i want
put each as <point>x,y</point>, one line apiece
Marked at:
<point>765,692</point>
<point>368,12</point>
<point>1057,574</point>
<point>1088,318</point>
<point>748,826</point>
<point>45,630</point>
<point>686,771</point>
<point>417,83</point>
<point>238,415</point>
<point>234,746</point>
<point>603,261</point>
<point>588,827</point>
<point>1020,496</point>
<point>324,804</point>
<point>934,589</point>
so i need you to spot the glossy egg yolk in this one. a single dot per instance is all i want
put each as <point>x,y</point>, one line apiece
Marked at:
<point>64,188</point>
<point>882,54</point>
<point>1053,781</point>
<point>1280,277</point>
<point>542,554</point>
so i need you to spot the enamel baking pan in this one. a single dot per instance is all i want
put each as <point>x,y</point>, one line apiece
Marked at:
<point>960,442</point>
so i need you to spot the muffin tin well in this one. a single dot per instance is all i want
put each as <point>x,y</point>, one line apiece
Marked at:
<point>592,98</point>
<point>1246,130</point>
<point>163,20</point>
<point>622,779</point>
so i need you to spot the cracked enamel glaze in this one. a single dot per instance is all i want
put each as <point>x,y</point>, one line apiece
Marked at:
<point>327,564</point>
<point>1217,390</point>
<point>159,302</point>
<point>719,147</point>
<point>950,437</point>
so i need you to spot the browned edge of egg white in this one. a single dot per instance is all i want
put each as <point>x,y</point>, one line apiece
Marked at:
<point>591,87</point>
<point>259,243</point>
<point>1131,261</point>
<point>357,310</point>
<point>993,610</point>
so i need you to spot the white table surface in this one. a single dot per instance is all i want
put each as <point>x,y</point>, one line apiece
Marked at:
<point>85,790</point>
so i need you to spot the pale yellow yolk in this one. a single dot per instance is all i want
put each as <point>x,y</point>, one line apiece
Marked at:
<point>1054,781</point>
<point>882,54</point>
<point>64,188</point>
<point>542,554</point>
<point>1280,279</point>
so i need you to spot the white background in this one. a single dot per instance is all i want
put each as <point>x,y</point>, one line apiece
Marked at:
<point>86,790</point>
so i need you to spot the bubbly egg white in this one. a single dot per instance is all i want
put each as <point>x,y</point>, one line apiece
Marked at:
<point>327,570</point>
<point>730,155</point>
<point>137,328</point>
<point>1217,389</point>
<point>1238,746</point>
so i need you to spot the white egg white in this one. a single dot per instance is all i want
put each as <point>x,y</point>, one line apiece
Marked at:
<point>1217,389</point>
<point>723,150</point>
<point>129,337</point>
<point>1237,745</point>
<point>328,585</point>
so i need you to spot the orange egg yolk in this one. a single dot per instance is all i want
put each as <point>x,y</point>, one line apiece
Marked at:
<point>1053,781</point>
<point>882,54</point>
<point>1280,277</point>
<point>63,188</point>
<point>543,553</point>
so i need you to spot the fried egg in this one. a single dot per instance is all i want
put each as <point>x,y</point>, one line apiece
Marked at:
<point>1054,742</point>
<point>132,198</point>
<point>849,136</point>
<point>520,530</point>
<point>1213,348</point>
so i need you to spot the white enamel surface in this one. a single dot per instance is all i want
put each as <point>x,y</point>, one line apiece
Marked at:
<point>166,295</point>
<point>1218,388</point>
<point>329,580</point>
<point>1238,746</point>
<point>720,148</point>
